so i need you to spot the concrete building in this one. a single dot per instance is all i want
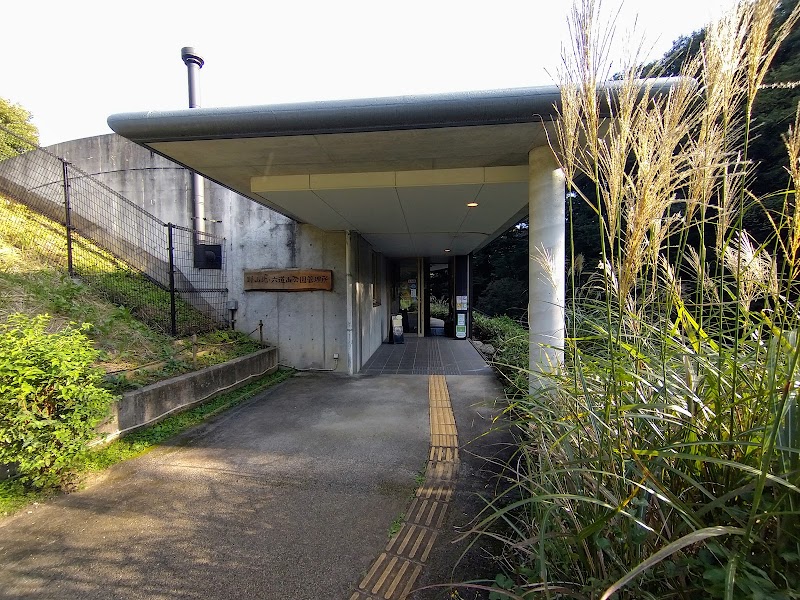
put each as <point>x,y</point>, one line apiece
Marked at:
<point>380,190</point>
<point>377,191</point>
<point>310,328</point>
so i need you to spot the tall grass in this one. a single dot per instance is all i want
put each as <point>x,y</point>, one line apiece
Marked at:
<point>665,463</point>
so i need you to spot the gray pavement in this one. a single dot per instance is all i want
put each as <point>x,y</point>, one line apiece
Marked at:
<point>289,495</point>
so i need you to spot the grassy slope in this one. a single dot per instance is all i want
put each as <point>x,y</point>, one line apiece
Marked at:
<point>32,281</point>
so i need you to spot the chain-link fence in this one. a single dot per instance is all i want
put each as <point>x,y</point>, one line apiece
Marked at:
<point>171,277</point>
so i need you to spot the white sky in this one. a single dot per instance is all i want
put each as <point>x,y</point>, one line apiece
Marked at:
<point>74,63</point>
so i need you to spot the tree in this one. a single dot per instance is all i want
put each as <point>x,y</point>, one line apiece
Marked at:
<point>24,134</point>
<point>500,273</point>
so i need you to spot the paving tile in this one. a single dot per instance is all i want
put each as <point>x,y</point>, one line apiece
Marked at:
<point>429,356</point>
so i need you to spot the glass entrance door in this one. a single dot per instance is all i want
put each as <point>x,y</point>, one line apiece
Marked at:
<point>410,292</point>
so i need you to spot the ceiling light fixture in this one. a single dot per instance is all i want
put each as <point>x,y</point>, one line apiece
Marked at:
<point>447,249</point>
<point>472,204</point>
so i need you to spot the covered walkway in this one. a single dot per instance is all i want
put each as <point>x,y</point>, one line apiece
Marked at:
<point>427,356</point>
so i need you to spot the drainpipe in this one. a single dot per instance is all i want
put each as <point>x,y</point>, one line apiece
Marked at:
<point>194,63</point>
<point>348,259</point>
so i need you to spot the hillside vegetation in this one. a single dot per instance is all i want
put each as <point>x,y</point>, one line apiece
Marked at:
<point>33,281</point>
<point>66,350</point>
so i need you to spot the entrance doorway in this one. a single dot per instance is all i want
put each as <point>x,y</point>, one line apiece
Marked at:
<point>409,291</point>
<point>440,310</point>
<point>432,297</point>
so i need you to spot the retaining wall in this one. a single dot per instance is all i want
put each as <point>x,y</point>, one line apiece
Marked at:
<point>154,402</point>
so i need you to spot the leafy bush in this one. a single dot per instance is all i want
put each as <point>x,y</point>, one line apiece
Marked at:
<point>51,397</point>
<point>510,340</point>
<point>439,307</point>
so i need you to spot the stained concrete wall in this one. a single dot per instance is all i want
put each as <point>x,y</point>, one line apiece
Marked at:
<point>307,327</point>
<point>158,185</point>
<point>154,402</point>
<point>373,319</point>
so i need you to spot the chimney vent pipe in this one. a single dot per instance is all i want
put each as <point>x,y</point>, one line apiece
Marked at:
<point>194,62</point>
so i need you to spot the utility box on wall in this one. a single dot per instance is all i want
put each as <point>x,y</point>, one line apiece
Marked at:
<point>208,256</point>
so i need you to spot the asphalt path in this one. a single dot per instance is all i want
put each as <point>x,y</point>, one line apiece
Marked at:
<point>289,495</point>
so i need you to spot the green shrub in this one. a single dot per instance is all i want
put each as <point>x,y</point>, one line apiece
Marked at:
<point>51,398</point>
<point>439,307</point>
<point>510,340</point>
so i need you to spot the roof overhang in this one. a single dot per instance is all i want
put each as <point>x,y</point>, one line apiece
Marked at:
<point>400,171</point>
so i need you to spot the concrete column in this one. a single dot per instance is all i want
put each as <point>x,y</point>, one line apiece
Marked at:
<point>546,280</point>
<point>349,261</point>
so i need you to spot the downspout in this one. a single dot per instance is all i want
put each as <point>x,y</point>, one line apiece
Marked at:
<point>348,259</point>
<point>194,63</point>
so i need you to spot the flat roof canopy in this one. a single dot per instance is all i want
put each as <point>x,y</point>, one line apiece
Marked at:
<point>400,171</point>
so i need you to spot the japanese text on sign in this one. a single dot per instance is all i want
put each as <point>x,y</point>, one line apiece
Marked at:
<point>288,280</point>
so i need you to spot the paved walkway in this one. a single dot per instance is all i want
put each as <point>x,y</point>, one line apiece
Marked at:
<point>427,356</point>
<point>287,496</point>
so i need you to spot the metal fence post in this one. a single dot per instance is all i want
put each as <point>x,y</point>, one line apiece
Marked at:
<point>173,317</point>
<point>67,216</point>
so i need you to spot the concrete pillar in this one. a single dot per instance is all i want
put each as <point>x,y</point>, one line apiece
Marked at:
<point>350,282</point>
<point>546,280</point>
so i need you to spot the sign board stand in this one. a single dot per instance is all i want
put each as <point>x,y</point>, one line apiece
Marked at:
<point>397,329</point>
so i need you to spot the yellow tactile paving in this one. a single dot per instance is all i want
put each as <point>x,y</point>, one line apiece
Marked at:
<point>442,473</point>
<point>439,491</point>
<point>443,453</point>
<point>394,573</point>
<point>428,513</point>
<point>444,440</point>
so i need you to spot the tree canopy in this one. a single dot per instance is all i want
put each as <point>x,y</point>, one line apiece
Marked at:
<point>16,119</point>
<point>500,273</point>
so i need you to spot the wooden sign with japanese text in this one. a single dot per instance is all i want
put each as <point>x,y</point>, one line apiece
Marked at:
<point>288,280</point>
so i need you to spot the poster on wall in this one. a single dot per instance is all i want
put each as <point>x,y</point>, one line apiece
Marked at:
<point>461,326</point>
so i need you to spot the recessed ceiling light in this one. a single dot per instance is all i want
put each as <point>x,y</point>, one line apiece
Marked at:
<point>447,249</point>
<point>472,204</point>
